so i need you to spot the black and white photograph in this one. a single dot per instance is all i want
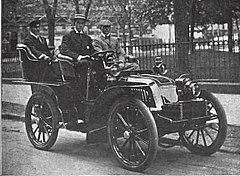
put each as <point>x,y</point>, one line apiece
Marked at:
<point>120,87</point>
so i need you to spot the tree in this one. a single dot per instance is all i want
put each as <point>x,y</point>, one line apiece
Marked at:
<point>190,13</point>
<point>160,12</point>
<point>217,11</point>
<point>181,23</point>
<point>85,3</point>
<point>50,13</point>
<point>88,5</point>
<point>120,11</point>
<point>154,12</point>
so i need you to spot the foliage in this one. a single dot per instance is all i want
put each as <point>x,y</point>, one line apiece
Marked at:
<point>216,11</point>
<point>28,9</point>
<point>79,5</point>
<point>155,12</point>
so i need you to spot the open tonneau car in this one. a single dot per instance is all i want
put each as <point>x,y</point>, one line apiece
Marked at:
<point>134,111</point>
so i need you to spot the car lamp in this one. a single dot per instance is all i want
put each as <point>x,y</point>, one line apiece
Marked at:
<point>187,89</point>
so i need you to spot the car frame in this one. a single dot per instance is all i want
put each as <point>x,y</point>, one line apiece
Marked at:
<point>134,111</point>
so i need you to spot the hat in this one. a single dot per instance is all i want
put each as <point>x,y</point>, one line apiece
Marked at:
<point>34,23</point>
<point>80,16</point>
<point>104,23</point>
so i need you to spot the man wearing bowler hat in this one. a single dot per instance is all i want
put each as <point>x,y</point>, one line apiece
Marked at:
<point>36,43</point>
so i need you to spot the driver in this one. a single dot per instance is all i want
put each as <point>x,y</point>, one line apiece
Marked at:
<point>106,42</point>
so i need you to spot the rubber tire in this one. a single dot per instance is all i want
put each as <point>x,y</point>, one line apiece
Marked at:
<point>151,125</point>
<point>222,132</point>
<point>54,122</point>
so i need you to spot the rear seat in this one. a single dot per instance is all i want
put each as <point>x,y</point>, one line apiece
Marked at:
<point>41,71</point>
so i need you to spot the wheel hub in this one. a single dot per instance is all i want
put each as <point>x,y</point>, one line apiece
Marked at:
<point>35,120</point>
<point>126,134</point>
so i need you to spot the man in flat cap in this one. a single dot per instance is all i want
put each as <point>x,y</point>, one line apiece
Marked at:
<point>106,42</point>
<point>36,43</point>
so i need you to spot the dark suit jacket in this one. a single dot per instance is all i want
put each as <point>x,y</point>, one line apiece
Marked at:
<point>74,44</point>
<point>36,47</point>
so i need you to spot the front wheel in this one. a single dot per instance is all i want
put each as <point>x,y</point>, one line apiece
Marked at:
<point>207,137</point>
<point>132,134</point>
<point>41,121</point>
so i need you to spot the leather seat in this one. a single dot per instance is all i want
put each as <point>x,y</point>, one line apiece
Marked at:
<point>39,70</point>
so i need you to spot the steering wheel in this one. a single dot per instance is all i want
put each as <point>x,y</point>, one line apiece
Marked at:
<point>106,56</point>
<point>103,53</point>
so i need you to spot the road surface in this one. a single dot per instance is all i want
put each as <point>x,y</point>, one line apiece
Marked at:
<point>72,156</point>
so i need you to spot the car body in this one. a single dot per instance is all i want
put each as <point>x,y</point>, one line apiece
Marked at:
<point>134,111</point>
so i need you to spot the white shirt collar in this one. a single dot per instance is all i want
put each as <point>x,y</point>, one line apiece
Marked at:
<point>78,31</point>
<point>105,35</point>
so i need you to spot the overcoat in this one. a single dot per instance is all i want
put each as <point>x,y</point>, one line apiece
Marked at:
<point>111,43</point>
<point>36,46</point>
<point>75,44</point>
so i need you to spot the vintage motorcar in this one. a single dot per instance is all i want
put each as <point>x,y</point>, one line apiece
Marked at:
<point>134,111</point>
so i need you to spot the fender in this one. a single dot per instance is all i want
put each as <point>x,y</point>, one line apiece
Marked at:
<point>45,89</point>
<point>49,91</point>
<point>106,99</point>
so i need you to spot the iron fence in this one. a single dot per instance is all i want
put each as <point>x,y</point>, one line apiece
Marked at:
<point>11,65</point>
<point>204,60</point>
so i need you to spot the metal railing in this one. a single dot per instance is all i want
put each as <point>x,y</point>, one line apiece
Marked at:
<point>204,60</point>
<point>11,65</point>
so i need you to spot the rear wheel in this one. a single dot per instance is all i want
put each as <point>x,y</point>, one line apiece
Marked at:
<point>41,121</point>
<point>132,134</point>
<point>207,137</point>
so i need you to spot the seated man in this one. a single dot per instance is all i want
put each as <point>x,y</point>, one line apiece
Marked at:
<point>36,43</point>
<point>106,42</point>
<point>39,48</point>
<point>78,46</point>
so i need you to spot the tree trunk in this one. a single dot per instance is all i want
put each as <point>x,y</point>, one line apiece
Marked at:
<point>76,6</point>
<point>51,32</point>
<point>192,24</point>
<point>181,35</point>
<point>130,30</point>
<point>124,38</point>
<point>230,27</point>
<point>50,12</point>
<point>88,8</point>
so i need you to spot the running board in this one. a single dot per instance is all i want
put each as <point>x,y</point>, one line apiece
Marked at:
<point>185,119</point>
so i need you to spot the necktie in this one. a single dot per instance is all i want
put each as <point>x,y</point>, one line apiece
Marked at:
<point>39,38</point>
<point>107,37</point>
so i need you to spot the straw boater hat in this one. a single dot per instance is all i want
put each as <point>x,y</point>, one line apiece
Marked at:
<point>80,16</point>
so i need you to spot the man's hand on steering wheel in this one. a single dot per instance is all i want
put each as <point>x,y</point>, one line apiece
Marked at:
<point>81,58</point>
<point>121,65</point>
